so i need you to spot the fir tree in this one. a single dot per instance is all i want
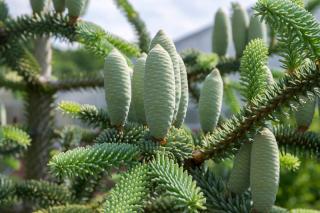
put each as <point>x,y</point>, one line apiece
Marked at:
<point>138,142</point>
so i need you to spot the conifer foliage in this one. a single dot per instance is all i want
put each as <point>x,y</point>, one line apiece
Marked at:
<point>137,155</point>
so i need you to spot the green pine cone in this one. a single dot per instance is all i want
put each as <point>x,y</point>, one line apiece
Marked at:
<point>184,100</point>
<point>38,5</point>
<point>210,101</point>
<point>240,23</point>
<point>264,172</point>
<point>85,7</point>
<point>75,7</point>
<point>159,93</point>
<point>167,44</point>
<point>239,180</point>
<point>59,5</point>
<point>138,88</point>
<point>221,33</point>
<point>117,85</point>
<point>132,112</point>
<point>304,114</point>
<point>257,29</point>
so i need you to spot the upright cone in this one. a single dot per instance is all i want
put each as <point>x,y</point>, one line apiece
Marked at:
<point>264,172</point>
<point>59,5</point>
<point>239,180</point>
<point>210,101</point>
<point>75,8</point>
<point>159,92</point>
<point>167,44</point>
<point>138,88</point>
<point>221,33</point>
<point>257,29</point>
<point>38,5</point>
<point>132,113</point>
<point>182,111</point>
<point>240,23</point>
<point>305,113</point>
<point>117,85</point>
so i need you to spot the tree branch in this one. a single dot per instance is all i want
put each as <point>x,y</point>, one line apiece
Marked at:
<point>228,138</point>
<point>74,84</point>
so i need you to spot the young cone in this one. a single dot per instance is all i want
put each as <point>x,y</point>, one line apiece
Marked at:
<point>257,29</point>
<point>239,180</point>
<point>210,101</point>
<point>38,5</point>
<point>184,95</point>
<point>75,8</point>
<point>264,172</point>
<point>159,93</point>
<point>304,114</point>
<point>117,85</point>
<point>59,5</point>
<point>167,44</point>
<point>132,112</point>
<point>221,33</point>
<point>240,22</point>
<point>138,88</point>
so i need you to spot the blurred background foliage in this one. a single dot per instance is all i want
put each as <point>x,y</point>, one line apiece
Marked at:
<point>76,62</point>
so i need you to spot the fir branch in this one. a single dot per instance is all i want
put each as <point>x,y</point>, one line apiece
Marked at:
<point>179,142</point>
<point>218,198</point>
<point>13,140</point>
<point>252,71</point>
<point>292,55</point>
<point>289,162</point>
<point>198,63</point>
<point>11,84</point>
<point>139,25</point>
<point>27,27</point>
<point>306,144</point>
<point>7,190</point>
<point>160,205</point>
<point>230,96</point>
<point>92,36</point>
<point>92,160</point>
<point>73,208</point>
<point>228,138</point>
<point>23,62</point>
<point>130,192</point>
<point>76,84</point>
<point>132,133</point>
<point>228,65</point>
<point>177,183</point>
<point>72,136</point>
<point>179,145</point>
<point>86,113</point>
<point>287,18</point>
<point>84,189</point>
<point>95,39</point>
<point>42,193</point>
